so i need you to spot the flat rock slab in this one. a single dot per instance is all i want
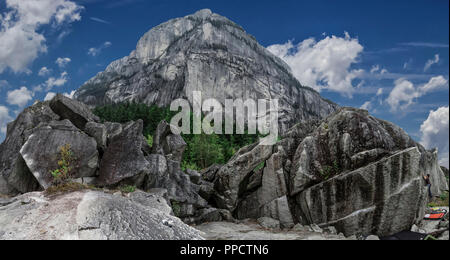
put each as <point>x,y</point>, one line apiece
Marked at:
<point>253,231</point>
<point>88,215</point>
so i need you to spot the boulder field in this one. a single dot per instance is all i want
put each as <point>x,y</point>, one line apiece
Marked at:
<point>349,172</point>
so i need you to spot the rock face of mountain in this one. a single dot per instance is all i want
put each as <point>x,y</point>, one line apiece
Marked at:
<point>209,53</point>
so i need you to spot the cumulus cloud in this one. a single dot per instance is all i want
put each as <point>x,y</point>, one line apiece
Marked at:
<point>21,41</point>
<point>435,83</point>
<point>49,96</point>
<point>367,105</point>
<point>325,64</point>
<point>19,97</point>
<point>62,62</point>
<point>96,51</point>
<point>4,119</point>
<point>435,133</point>
<point>431,62</point>
<point>56,82</point>
<point>404,92</point>
<point>44,71</point>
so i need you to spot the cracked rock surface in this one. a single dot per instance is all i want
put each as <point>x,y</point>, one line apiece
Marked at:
<point>89,215</point>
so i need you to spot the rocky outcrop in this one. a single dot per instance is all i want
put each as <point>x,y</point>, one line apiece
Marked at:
<point>209,53</point>
<point>345,141</point>
<point>358,173</point>
<point>76,112</point>
<point>15,177</point>
<point>350,171</point>
<point>382,198</point>
<point>123,158</point>
<point>168,144</point>
<point>41,152</point>
<point>107,155</point>
<point>232,178</point>
<point>430,165</point>
<point>91,215</point>
<point>445,171</point>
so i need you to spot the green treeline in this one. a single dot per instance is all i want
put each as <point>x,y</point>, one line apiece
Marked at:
<point>202,150</point>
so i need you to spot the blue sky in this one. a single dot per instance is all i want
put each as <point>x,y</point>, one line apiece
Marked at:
<point>384,45</point>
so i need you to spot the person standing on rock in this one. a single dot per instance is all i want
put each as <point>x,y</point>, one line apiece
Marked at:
<point>428,184</point>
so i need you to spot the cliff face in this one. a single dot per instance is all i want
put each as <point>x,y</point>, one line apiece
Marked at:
<point>209,53</point>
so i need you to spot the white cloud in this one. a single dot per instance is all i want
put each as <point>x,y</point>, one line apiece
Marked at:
<point>62,62</point>
<point>325,64</point>
<point>407,64</point>
<point>44,71</point>
<point>56,82</point>
<point>380,92</point>
<point>435,133</point>
<point>435,83</point>
<point>96,51</point>
<point>19,97</point>
<point>49,96</point>
<point>70,95</point>
<point>425,44</point>
<point>367,106</point>
<point>431,62</point>
<point>99,20</point>
<point>374,69</point>
<point>404,92</point>
<point>21,41</point>
<point>4,119</point>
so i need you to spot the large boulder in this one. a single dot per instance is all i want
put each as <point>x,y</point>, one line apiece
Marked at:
<point>383,198</point>
<point>98,132</point>
<point>78,113</point>
<point>273,183</point>
<point>279,209</point>
<point>90,215</point>
<point>270,199</point>
<point>346,140</point>
<point>232,179</point>
<point>42,151</point>
<point>15,176</point>
<point>167,174</point>
<point>430,165</point>
<point>123,158</point>
<point>209,174</point>
<point>168,144</point>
